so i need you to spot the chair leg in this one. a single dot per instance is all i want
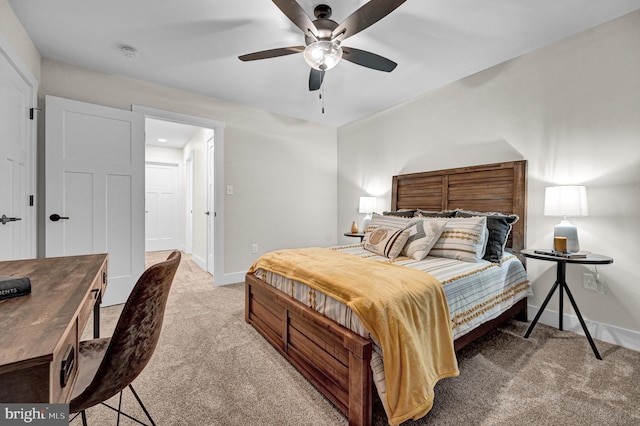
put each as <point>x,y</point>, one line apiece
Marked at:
<point>120,412</point>
<point>142,405</point>
<point>119,408</point>
<point>84,418</point>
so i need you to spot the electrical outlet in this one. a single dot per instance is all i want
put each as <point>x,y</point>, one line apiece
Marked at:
<point>589,282</point>
<point>254,248</point>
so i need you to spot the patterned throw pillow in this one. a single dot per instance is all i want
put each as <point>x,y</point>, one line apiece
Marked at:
<point>462,239</point>
<point>386,235</point>
<point>499,226</point>
<point>423,234</point>
<point>386,241</point>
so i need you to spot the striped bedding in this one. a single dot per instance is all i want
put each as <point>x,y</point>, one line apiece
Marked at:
<point>476,293</point>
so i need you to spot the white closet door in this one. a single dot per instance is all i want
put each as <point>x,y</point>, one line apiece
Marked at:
<point>162,202</point>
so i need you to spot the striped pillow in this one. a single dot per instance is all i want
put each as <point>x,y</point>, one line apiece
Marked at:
<point>396,222</point>
<point>462,239</point>
<point>499,227</point>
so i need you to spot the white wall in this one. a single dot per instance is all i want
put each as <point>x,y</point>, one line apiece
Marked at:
<point>283,170</point>
<point>572,110</point>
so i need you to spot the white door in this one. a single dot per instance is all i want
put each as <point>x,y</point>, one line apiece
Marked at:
<point>94,195</point>
<point>17,217</point>
<point>211,210</point>
<point>161,206</point>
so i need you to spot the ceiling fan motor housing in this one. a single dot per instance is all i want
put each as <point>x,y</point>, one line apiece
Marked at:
<point>322,11</point>
<point>325,27</point>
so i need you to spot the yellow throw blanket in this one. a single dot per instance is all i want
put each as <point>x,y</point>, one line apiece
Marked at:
<point>404,309</point>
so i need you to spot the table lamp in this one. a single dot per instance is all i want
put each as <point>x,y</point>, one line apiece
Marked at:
<point>367,205</point>
<point>566,201</point>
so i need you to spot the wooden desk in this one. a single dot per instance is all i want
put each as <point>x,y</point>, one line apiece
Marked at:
<point>40,332</point>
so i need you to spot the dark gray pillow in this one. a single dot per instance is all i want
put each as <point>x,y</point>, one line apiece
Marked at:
<point>401,213</point>
<point>444,213</point>
<point>499,226</point>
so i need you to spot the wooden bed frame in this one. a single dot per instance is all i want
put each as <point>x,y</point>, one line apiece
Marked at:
<point>336,360</point>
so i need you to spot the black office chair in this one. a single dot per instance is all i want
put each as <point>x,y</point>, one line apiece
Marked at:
<point>107,366</point>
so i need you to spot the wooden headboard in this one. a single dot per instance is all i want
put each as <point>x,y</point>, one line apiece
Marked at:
<point>499,187</point>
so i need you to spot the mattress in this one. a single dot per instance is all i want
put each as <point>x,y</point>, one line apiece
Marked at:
<point>476,292</point>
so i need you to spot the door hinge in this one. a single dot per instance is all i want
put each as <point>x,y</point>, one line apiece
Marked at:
<point>31,110</point>
<point>30,200</point>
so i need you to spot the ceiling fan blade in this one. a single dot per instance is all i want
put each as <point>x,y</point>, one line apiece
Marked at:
<point>298,16</point>
<point>271,53</point>
<point>315,79</point>
<point>370,13</point>
<point>368,59</point>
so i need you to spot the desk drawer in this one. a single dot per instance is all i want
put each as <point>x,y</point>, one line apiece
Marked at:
<point>64,367</point>
<point>93,296</point>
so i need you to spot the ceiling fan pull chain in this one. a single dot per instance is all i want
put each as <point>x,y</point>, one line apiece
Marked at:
<point>322,98</point>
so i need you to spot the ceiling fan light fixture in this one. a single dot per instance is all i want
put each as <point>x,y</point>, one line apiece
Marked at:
<point>323,55</point>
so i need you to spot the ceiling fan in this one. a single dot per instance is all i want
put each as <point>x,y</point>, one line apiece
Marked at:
<point>323,38</point>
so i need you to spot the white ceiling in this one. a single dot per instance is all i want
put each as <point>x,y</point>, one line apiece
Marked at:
<point>194,45</point>
<point>168,134</point>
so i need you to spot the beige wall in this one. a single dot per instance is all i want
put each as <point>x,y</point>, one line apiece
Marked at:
<point>571,109</point>
<point>283,170</point>
<point>17,37</point>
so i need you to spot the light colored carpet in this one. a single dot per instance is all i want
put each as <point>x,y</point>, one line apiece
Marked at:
<point>212,368</point>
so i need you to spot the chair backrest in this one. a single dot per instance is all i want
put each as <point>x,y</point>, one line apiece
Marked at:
<point>135,336</point>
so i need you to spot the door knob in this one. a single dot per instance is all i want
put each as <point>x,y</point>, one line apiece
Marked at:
<point>56,217</point>
<point>4,219</point>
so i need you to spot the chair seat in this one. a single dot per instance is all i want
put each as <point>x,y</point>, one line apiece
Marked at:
<point>90,355</point>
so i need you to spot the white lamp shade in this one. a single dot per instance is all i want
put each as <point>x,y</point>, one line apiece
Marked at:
<point>367,205</point>
<point>565,201</point>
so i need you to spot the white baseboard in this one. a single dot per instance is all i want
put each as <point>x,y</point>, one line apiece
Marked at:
<point>607,333</point>
<point>234,278</point>
<point>199,261</point>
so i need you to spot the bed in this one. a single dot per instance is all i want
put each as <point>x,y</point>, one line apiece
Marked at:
<point>337,359</point>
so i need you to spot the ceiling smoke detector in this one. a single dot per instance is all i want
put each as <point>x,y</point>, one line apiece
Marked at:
<point>129,52</point>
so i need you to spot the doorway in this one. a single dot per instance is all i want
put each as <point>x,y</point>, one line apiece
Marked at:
<point>198,164</point>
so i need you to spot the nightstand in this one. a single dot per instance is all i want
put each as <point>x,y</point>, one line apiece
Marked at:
<point>561,284</point>
<point>351,234</point>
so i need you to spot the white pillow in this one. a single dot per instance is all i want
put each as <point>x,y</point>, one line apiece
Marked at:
<point>423,234</point>
<point>462,238</point>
